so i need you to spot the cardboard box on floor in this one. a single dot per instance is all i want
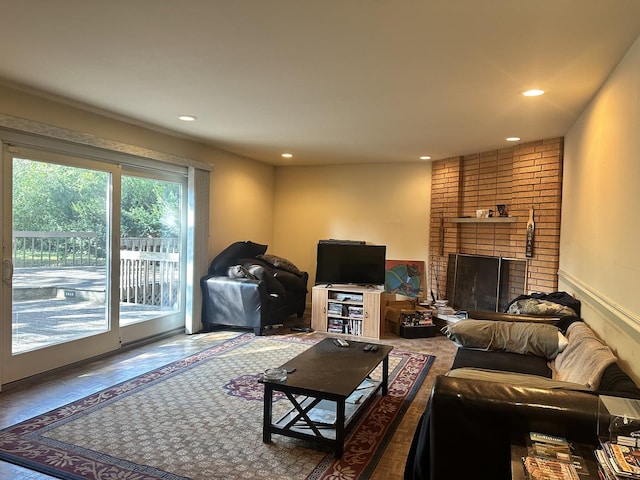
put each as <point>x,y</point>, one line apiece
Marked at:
<point>394,310</point>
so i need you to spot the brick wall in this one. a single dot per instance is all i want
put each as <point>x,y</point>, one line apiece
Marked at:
<point>525,176</point>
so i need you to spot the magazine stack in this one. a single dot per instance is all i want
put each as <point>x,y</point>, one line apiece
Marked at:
<point>619,452</point>
<point>550,457</point>
<point>618,462</point>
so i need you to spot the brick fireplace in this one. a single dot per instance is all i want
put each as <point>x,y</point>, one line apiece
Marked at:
<point>522,177</point>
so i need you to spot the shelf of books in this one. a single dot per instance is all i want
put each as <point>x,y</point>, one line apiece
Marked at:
<point>344,316</point>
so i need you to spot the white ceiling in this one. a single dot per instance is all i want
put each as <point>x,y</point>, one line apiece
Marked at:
<point>331,81</point>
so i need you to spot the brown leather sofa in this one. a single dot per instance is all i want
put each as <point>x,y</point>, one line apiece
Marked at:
<point>467,429</point>
<point>469,424</point>
<point>512,317</point>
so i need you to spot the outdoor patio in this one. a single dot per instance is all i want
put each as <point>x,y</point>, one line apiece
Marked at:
<point>54,305</point>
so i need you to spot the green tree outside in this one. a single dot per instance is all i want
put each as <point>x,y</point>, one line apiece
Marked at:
<point>49,197</point>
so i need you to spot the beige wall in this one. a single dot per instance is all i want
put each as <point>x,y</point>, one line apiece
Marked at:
<point>599,259</point>
<point>288,208</point>
<point>241,199</point>
<point>380,204</point>
<point>241,202</point>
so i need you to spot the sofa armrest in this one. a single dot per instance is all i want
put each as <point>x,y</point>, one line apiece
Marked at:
<point>510,317</point>
<point>237,302</point>
<point>472,423</point>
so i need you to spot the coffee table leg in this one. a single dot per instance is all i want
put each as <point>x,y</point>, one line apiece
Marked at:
<point>339,449</point>
<point>385,375</point>
<point>268,412</point>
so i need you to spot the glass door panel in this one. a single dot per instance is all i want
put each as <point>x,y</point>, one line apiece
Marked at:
<point>57,231</point>
<point>59,286</point>
<point>150,239</point>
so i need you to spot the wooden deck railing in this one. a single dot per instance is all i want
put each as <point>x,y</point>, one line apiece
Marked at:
<point>150,271</point>
<point>149,267</point>
<point>56,249</point>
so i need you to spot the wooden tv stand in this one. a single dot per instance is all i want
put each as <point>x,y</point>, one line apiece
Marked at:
<point>347,309</point>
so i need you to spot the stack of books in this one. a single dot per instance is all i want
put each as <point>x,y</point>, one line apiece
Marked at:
<point>617,461</point>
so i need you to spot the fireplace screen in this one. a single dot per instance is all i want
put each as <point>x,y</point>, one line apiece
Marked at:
<point>478,282</point>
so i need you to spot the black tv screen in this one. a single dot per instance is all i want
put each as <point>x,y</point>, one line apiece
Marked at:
<point>350,263</point>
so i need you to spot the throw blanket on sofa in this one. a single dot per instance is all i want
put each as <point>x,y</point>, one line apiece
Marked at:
<point>585,358</point>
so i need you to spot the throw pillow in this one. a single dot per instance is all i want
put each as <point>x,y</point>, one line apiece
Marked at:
<point>518,337</point>
<point>230,255</point>
<point>585,358</point>
<point>281,263</point>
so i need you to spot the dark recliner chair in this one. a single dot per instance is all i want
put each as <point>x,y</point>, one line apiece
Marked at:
<point>245,287</point>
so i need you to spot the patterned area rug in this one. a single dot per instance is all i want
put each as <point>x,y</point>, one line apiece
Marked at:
<point>200,418</point>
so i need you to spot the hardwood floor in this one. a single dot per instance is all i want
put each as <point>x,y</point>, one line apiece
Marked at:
<point>38,395</point>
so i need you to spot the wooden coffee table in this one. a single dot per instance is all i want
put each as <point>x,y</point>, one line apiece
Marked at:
<point>328,389</point>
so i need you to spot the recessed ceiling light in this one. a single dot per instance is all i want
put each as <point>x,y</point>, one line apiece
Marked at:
<point>534,92</point>
<point>187,118</point>
<point>512,139</point>
<point>425,157</point>
<point>287,155</point>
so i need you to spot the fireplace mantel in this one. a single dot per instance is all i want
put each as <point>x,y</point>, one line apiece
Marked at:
<point>483,220</point>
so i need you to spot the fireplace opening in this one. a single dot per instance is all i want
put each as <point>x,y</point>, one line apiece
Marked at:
<point>480,282</point>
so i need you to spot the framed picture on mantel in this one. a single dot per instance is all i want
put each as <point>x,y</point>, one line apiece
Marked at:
<point>405,277</point>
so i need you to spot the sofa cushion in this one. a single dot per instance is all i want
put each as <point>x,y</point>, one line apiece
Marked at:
<point>585,358</point>
<point>511,317</point>
<point>503,361</point>
<point>517,337</point>
<point>230,255</point>
<point>281,263</point>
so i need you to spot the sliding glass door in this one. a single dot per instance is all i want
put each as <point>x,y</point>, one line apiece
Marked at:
<point>92,258</point>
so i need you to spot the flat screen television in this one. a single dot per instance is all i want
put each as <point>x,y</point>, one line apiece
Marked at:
<point>350,263</point>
